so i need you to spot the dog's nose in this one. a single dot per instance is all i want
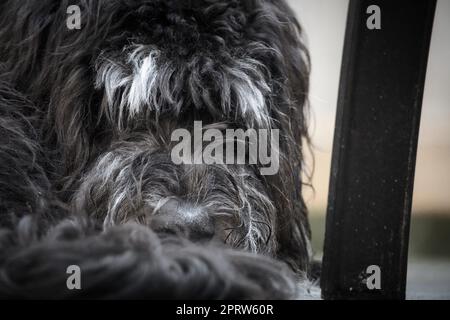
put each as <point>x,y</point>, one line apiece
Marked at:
<point>176,217</point>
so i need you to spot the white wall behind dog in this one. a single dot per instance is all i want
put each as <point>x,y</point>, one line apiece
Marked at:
<point>324,24</point>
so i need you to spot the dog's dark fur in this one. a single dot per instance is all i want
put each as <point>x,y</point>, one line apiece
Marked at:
<point>86,176</point>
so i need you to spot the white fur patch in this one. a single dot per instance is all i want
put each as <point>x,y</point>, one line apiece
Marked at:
<point>144,77</point>
<point>136,80</point>
<point>140,79</point>
<point>250,94</point>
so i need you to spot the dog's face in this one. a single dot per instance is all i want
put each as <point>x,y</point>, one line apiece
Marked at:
<point>115,90</point>
<point>137,180</point>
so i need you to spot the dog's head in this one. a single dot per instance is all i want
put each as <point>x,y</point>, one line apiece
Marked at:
<point>115,90</point>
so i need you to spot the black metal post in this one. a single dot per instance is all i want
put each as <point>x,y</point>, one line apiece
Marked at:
<point>377,126</point>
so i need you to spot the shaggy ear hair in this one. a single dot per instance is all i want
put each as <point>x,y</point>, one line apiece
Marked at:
<point>24,185</point>
<point>132,262</point>
<point>52,64</point>
<point>277,26</point>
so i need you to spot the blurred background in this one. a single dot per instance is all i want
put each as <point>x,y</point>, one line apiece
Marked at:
<point>324,22</point>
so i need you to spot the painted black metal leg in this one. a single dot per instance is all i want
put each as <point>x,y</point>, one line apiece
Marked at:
<point>377,126</point>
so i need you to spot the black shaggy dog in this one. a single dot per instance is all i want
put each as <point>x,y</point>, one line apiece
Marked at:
<point>86,178</point>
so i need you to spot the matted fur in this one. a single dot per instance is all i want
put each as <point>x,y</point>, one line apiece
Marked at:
<point>86,117</point>
<point>131,262</point>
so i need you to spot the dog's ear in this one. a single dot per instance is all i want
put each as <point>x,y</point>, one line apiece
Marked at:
<point>290,67</point>
<point>24,26</point>
<point>24,185</point>
<point>52,64</point>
